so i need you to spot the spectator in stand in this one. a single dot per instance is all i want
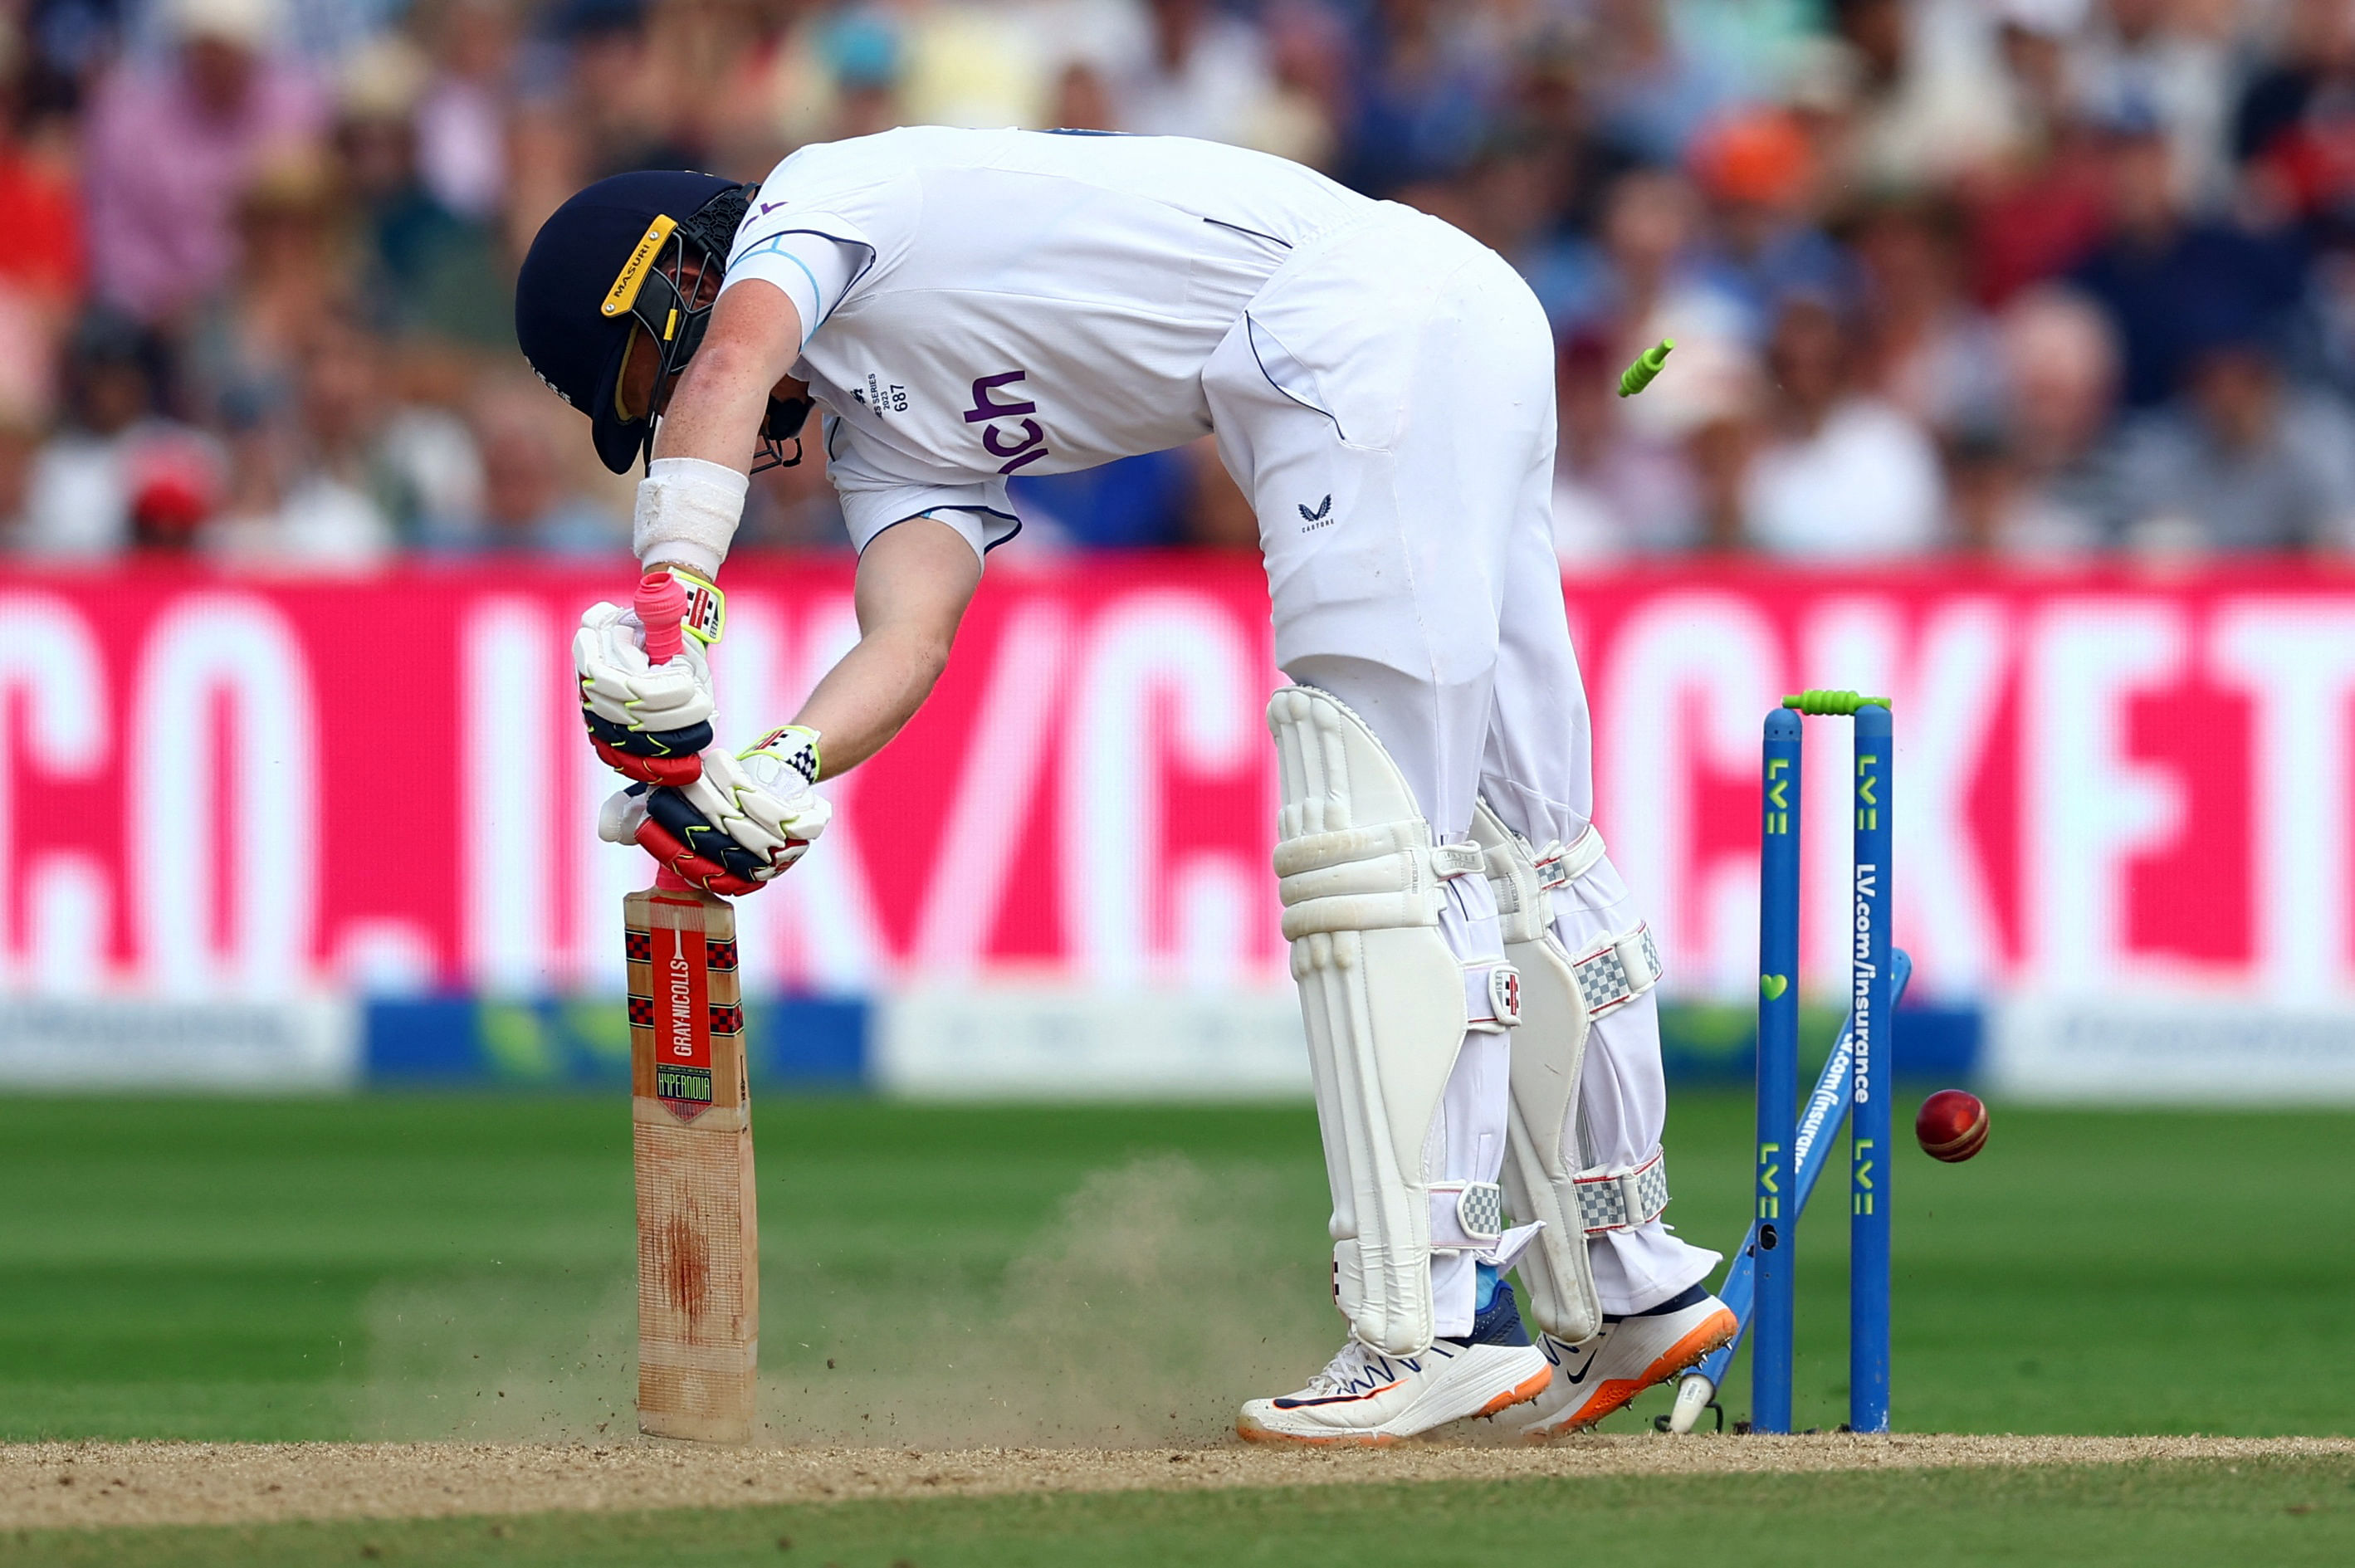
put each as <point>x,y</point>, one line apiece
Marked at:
<point>171,146</point>
<point>2163,58</point>
<point>967,64</point>
<point>1930,104</point>
<point>1929,351</point>
<point>616,91</point>
<point>1422,94</point>
<point>1621,485</point>
<point>1752,46</point>
<point>349,471</point>
<point>1083,99</point>
<point>1654,167</point>
<point>2042,205</point>
<point>2168,279</point>
<point>1547,105</point>
<point>242,348</point>
<point>2058,397</point>
<point>79,491</point>
<point>2032,85</point>
<point>426,269</point>
<point>2294,130</point>
<point>41,268</point>
<point>461,109</point>
<point>1205,73</point>
<point>1757,172</point>
<point>865,65</point>
<point>1652,95</point>
<point>1841,474</point>
<point>40,211</point>
<point>1641,270</point>
<point>1510,194</point>
<point>1308,51</point>
<point>2243,461</point>
<point>526,502</point>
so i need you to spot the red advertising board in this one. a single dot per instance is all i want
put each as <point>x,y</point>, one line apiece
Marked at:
<point>246,787</point>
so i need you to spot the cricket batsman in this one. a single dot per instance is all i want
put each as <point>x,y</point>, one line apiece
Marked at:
<point>960,306</point>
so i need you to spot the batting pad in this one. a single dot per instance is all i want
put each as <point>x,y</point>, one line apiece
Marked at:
<point>1549,1051</point>
<point>1382,997</point>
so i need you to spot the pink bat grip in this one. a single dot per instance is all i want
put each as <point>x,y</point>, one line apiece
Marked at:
<point>661,604</point>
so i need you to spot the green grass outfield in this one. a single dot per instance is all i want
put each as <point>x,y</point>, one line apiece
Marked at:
<point>361,1268</point>
<point>461,1266</point>
<point>2273,1513</point>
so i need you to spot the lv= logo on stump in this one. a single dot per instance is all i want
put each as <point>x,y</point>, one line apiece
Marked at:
<point>691,1115</point>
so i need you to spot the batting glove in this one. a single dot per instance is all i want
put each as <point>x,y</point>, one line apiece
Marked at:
<point>649,721</point>
<point>739,824</point>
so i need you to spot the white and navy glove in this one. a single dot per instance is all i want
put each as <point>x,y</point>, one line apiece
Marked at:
<point>740,823</point>
<point>649,721</point>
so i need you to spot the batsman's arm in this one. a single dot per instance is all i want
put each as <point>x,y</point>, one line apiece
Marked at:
<point>915,578</point>
<point>687,511</point>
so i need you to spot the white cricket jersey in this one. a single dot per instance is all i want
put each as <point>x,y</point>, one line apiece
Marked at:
<point>981,304</point>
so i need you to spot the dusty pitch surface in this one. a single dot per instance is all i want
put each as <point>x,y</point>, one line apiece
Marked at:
<point>71,1484</point>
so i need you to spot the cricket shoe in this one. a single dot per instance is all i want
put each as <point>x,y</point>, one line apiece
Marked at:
<point>1597,1376</point>
<point>1367,1399</point>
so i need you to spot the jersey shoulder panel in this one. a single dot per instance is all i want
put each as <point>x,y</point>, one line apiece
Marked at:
<point>851,191</point>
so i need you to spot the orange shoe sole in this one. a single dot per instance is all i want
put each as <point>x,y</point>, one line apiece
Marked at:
<point>1527,1389</point>
<point>1616,1392</point>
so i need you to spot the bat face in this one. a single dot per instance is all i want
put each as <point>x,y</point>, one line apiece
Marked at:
<point>699,1242</point>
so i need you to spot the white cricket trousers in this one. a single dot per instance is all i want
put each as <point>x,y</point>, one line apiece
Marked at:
<point>1387,403</point>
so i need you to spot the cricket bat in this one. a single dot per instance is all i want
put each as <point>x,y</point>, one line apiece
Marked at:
<point>691,1115</point>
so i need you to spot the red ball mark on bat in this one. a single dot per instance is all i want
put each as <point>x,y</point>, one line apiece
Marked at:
<point>1952,1126</point>
<point>686,1266</point>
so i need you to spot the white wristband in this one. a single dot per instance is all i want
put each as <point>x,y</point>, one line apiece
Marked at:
<point>687,511</point>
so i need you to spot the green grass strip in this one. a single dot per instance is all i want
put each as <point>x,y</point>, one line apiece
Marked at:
<point>2275,1512</point>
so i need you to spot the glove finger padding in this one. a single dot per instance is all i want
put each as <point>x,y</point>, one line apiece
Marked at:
<point>739,824</point>
<point>648,721</point>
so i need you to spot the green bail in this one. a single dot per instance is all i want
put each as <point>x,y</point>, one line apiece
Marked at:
<point>1639,375</point>
<point>1832,704</point>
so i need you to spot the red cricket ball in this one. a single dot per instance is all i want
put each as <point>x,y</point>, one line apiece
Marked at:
<point>1952,1126</point>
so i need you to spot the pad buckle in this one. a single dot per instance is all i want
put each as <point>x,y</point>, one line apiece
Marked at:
<point>1492,997</point>
<point>1466,1216</point>
<point>1622,1198</point>
<point>1559,865</point>
<point>1617,970</point>
<point>1450,860</point>
<point>1505,992</point>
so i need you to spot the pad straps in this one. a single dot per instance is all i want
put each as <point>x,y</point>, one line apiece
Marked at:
<point>1559,866</point>
<point>1469,1216</point>
<point>1617,970</point>
<point>1624,1197</point>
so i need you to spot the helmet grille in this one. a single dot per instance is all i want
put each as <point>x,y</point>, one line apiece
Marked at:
<point>713,225</point>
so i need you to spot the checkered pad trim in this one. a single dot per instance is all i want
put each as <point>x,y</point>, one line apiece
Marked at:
<point>720,956</point>
<point>1602,976</point>
<point>638,946</point>
<point>726,1020</point>
<point>642,1012</point>
<point>1622,1200</point>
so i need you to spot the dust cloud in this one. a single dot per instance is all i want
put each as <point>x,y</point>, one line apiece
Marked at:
<point>1160,1295</point>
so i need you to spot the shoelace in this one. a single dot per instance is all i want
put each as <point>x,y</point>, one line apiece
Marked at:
<point>1352,1370</point>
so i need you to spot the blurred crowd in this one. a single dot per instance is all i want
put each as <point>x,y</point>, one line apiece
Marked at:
<point>2032,279</point>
